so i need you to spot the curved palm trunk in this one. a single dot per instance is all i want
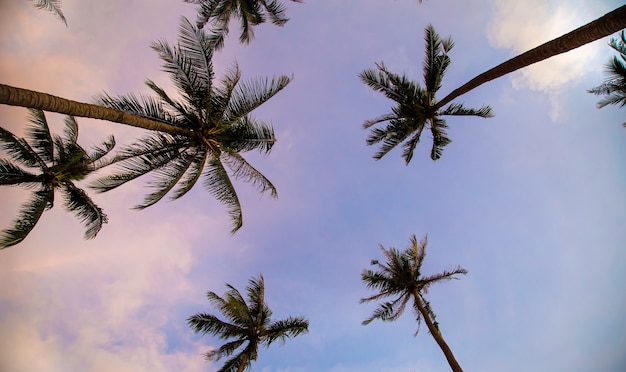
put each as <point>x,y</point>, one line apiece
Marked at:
<point>13,96</point>
<point>606,25</point>
<point>436,335</point>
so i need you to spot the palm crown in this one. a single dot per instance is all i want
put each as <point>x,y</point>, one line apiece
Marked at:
<point>250,13</point>
<point>247,323</point>
<point>60,162</point>
<point>400,277</point>
<point>614,87</point>
<point>415,109</point>
<point>217,117</point>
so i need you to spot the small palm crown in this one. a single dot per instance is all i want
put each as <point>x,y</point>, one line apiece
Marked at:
<point>217,120</point>
<point>415,109</point>
<point>248,324</point>
<point>60,161</point>
<point>400,277</point>
<point>250,12</point>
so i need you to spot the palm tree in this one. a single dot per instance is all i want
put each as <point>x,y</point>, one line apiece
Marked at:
<point>52,5</point>
<point>217,115</point>
<point>614,87</point>
<point>400,277</point>
<point>60,162</point>
<point>250,13</point>
<point>247,323</point>
<point>415,109</point>
<point>604,26</point>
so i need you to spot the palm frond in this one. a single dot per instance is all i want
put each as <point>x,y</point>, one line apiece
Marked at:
<point>283,329</point>
<point>249,95</point>
<point>150,153</point>
<point>410,145</point>
<point>445,275</point>
<point>194,170</point>
<point>71,130</point>
<point>247,134</point>
<point>218,183</point>
<point>391,136</point>
<point>167,177</point>
<point>395,87</point>
<point>436,60</point>
<point>459,110</point>
<point>101,151</point>
<point>20,150</point>
<point>440,137</point>
<point>89,214</point>
<point>210,324</point>
<point>53,6</point>
<point>257,307</point>
<point>39,135</point>
<point>195,45</point>
<point>144,106</point>
<point>11,174</point>
<point>233,364</point>
<point>183,74</point>
<point>379,119</point>
<point>245,172</point>
<point>28,216</point>
<point>225,350</point>
<point>183,115</point>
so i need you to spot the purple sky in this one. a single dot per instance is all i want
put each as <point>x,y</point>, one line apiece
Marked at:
<point>530,202</point>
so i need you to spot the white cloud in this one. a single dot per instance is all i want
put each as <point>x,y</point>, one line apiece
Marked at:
<point>521,26</point>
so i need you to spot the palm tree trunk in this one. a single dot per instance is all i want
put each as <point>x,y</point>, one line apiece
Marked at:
<point>606,25</point>
<point>243,364</point>
<point>27,98</point>
<point>436,335</point>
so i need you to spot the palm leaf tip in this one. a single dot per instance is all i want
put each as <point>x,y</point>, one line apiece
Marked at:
<point>28,217</point>
<point>53,6</point>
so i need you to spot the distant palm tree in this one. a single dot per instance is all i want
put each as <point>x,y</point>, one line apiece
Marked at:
<point>614,87</point>
<point>604,26</point>
<point>217,116</point>
<point>52,5</point>
<point>247,323</point>
<point>415,109</point>
<point>60,162</point>
<point>400,277</point>
<point>250,12</point>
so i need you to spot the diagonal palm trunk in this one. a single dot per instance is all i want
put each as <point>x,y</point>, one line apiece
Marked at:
<point>604,26</point>
<point>454,365</point>
<point>36,100</point>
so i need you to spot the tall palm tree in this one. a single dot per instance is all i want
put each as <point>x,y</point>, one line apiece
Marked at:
<point>415,109</point>
<point>614,87</point>
<point>60,162</point>
<point>400,277</point>
<point>250,12</point>
<point>606,25</point>
<point>53,6</point>
<point>247,323</point>
<point>218,115</point>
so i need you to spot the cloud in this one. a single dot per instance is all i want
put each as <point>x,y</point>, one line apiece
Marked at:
<point>521,26</point>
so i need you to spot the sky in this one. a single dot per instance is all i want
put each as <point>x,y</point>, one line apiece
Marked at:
<point>530,202</point>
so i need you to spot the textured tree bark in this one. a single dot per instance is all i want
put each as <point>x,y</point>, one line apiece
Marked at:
<point>604,26</point>
<point>436,335</point>
<point>30,99</point>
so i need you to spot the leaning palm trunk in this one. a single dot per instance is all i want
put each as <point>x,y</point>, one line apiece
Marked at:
<point>13,96</point>
<point>604,26</point>
<point>454,365</point>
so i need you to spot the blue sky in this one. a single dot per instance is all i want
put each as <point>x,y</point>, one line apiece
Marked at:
<point>530,202</point>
